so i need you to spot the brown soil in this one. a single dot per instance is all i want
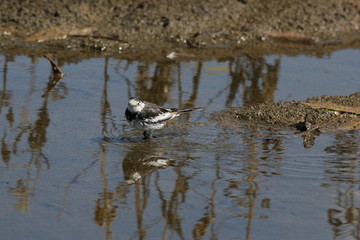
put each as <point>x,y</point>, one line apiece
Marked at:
<point>118,25</point>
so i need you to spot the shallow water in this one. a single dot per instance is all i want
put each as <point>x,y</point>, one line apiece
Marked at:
<point>72,168</point>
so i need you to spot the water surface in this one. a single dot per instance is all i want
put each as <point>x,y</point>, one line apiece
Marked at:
<point>72,168</point>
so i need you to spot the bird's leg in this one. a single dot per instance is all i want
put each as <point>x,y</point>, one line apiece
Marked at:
<point>147,134</point>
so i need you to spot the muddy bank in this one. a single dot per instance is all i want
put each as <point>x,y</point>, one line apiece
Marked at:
<point>314,115</point>
<point>119,25</point>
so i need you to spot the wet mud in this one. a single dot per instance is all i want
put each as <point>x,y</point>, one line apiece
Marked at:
<point>118,25</point>
<point>299,116</point>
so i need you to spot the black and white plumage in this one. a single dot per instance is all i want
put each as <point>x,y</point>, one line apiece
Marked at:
<point>149,116</point>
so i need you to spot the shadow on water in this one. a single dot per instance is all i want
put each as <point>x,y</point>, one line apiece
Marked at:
<point>196,180</point>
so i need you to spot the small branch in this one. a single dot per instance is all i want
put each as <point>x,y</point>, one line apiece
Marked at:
<point>56,69</point>
<point>55,77</point>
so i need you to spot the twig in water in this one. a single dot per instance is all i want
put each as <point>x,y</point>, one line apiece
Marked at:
<point>55,77</point>
<point>56,69</point>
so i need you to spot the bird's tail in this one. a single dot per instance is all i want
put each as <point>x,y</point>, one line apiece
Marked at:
<point>186,110</point>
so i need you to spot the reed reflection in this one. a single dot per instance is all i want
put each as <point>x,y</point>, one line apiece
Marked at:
<point>107,117</point>
<point>105,211</point>
<point>343,173</point>
<point>5,94</point>
<point>154,87</point>
<point>35,133</point>
<point>258,78</point>
<point>237,185</point>
<point>191,101</point>
<point>255,77</point>
<point>171,204</point>
<point>256,165</point>
<point>5,102</point>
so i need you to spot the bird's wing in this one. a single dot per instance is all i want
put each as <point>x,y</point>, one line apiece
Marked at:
<point>155,114</point>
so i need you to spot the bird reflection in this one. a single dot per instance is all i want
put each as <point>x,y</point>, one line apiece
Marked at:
<point>142,161</point>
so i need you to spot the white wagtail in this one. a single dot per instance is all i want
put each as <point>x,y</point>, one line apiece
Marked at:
<point>149,116</point>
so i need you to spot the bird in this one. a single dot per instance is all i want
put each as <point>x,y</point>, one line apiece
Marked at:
<point>148,116</point>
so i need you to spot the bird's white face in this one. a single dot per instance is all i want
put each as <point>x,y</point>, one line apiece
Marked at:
<point>135,105</point>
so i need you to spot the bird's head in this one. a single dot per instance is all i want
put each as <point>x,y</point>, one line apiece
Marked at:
<point>135,104</point>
